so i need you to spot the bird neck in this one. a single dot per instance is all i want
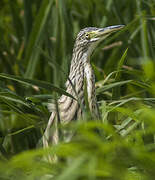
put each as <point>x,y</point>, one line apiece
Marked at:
<point>80,70</point>
<point>77,74</point>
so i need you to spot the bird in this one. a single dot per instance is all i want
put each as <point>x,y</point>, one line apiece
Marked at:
<point>81,77</point>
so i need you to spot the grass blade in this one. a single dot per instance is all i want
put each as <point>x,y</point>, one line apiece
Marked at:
<point>37,37</point>
<point>40,84</point>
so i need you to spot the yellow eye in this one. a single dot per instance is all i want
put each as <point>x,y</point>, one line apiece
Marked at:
<point>87,36</point>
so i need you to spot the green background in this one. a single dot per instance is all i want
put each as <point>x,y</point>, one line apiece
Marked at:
<point>36,41</point>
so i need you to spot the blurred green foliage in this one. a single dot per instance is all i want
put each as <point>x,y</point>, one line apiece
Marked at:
<point>36,44</point>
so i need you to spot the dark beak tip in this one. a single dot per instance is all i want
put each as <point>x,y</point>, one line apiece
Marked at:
<point>122,26</point>
<point>117,26</point>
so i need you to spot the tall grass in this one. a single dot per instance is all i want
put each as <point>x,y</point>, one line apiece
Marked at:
<point>35,51</point>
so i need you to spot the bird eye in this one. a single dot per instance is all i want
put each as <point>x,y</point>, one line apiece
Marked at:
<point>87,36</point>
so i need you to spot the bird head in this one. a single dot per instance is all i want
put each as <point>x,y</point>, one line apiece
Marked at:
<point>88,38</point>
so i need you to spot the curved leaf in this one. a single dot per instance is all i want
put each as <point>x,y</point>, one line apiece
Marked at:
<point>40,84</point>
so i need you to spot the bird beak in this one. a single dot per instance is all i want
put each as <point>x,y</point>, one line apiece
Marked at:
<point>109,30</point>
<point>102,33</point>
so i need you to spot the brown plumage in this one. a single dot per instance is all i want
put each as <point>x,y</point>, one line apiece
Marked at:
<point>81,73</point>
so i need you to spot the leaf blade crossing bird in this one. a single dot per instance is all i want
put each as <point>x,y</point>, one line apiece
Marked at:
<point>80,72</point>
